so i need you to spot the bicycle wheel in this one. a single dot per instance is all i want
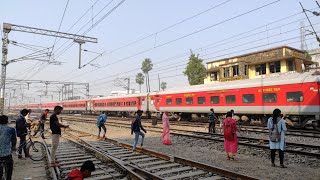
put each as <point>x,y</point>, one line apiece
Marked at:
<point>36,150</point>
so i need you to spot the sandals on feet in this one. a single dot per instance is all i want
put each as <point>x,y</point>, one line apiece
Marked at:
<point>273,165</point>
<point>283,166</point>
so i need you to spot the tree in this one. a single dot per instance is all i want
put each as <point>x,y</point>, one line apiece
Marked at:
<point>140,80</point>
<point>163,85</point>
<point>146,67</point>
<point>195,70</point>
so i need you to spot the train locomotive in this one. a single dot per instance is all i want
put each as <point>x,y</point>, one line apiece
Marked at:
<point>253,100</point>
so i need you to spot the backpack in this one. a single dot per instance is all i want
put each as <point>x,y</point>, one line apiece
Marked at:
<point>274,134</point>
<point>229,131</point>
<point>134,124</point>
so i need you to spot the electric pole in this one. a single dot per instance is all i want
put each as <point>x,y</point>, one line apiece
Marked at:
<point>7,28</point>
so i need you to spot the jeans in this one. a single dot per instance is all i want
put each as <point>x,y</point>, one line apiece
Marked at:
<point>212,127</point>
<point>8,166</point>
<point>273,155</point>
<point>136,139</point>
<point>55,144</point>
<point>23,145</point>
<point>104,129</point>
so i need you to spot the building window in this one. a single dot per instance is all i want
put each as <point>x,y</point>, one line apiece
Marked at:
<point>260,69</point>
<point>275,67</point>
<point>213,76</point>
<point>178,100</point>
<point>201,100</point>
<point>246,70</point>
<point>295,96</point>
<point>248,98</point>
<point>269,97</point>
<point>189,100</point>
<point>214,99</point>
<point>235,70</point>
<point>226,72</point>
<point>231,99</point>
<point>169,101</point>
<point>290,65</point>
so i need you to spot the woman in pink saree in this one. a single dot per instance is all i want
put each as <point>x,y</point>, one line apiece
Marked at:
<point>166,129</point>
<point>230,136</point>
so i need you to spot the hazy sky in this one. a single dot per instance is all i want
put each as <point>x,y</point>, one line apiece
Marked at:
<point>217,33</point>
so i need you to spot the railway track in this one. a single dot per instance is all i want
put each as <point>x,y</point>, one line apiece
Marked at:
<point>296,148</point>
<point>117,161</point>
<point>256,129</point>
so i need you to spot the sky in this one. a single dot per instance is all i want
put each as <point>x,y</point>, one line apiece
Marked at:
<point>164,31</point>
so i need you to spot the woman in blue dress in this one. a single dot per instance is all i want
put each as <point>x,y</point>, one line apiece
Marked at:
<point>280,144</point>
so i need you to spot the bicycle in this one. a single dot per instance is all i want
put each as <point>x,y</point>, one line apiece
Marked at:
<point>35,150</point>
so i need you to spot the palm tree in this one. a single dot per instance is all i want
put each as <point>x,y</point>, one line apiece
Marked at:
<point>140,80</point>
<point>163,85</point>
<point>146,67</point>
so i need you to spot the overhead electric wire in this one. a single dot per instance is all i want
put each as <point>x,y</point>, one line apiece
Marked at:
<point>64,12</point>
<point>223,55</point>
<point>217,44</point>
<point>187,35</point>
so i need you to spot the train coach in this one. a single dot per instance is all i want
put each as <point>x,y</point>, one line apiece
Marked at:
<point>296,94</point>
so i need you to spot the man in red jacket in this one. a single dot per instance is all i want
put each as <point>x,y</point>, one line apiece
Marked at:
<point>85,171</point>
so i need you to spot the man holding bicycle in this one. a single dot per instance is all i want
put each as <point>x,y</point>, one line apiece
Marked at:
<point>22,131</point>
<point>8,142</point>
<point>41,123</point>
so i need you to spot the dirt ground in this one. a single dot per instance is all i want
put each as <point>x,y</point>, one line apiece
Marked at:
<point>212,153</point>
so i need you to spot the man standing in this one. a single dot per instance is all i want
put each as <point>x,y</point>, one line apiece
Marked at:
<point>55,127</point>
<point>136,126</point>
<point>211,119</point>
<point>8,142</point>
<point>100,124</point>
<point>22,131</point>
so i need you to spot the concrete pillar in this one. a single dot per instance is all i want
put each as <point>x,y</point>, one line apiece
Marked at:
<point>283,64</point>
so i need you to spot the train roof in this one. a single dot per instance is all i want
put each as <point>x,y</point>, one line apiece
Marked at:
<point>122,96</point>
<point>282,79</point>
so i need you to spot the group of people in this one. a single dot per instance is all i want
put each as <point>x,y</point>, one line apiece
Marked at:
<point>277,129</point>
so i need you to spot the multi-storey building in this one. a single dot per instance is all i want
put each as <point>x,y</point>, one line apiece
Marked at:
<point>269,62</point>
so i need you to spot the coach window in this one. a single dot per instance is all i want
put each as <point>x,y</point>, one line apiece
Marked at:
<point>178,100</point>
<point>169,101</point>
<point>295,96</point>
<point>270,97</point>
<point>248,98</point>
<point>201,100</point>
<point>143,102</point>
<point>275,67</point>
<point>214,99</point>
<point>189,100</point>
<point>134,103</point>
<point>231,99</point>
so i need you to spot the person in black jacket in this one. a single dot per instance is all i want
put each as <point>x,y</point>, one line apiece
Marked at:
<point>22,131</point>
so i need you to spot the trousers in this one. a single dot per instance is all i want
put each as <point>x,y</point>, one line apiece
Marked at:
<point>212,127</point>
<point>136,138</point>
<point>7,162</point>
<point>104,129</point>
<point>23,145</point>
<point>273,155</point>
<point>55,144</point>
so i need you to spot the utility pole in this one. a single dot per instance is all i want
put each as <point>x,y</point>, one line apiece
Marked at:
<point>128,84</point>
<point>7,28</point>
<point>159,81</point>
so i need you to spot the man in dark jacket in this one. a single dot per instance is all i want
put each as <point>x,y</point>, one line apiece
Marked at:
<point>212,118</point>
<point>136,126</point>
<point>22,131</point>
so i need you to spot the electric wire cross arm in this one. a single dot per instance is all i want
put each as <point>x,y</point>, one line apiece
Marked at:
<point>7,28</point>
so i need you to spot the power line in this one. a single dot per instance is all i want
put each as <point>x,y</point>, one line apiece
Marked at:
<point>64,12</point>
<point>195,32</point>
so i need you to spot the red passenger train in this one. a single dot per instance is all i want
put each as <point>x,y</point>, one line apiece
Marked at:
<point>296,94</point>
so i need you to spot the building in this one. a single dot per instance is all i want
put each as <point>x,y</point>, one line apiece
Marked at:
<point>259,64</point>
<point>315,56</point>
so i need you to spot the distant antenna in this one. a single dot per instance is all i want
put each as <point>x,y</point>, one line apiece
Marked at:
<point>303,45</point>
